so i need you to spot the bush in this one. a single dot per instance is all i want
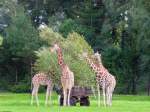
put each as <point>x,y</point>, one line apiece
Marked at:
<point>20,88</point>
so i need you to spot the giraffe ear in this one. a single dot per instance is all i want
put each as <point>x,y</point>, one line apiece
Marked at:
<point>100,55</point>
<point>80,56</point>
<point>51,49</point>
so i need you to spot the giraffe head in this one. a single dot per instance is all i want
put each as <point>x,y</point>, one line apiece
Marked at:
<point>83,55</point>
<point>54,48</point>
<point>97,55</point>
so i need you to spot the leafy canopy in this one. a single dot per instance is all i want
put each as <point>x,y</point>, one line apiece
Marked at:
<point>72,47</point>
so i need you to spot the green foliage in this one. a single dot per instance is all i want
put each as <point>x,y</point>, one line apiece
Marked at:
<point>119,29</point>
<point>20,41</point>
<point>72,47</point>
<point>88,19</point>
<point>47,62</point>
<point>69,25</point>
<point>50,36</point>
<point>22,38</point>
<point>21,88</point>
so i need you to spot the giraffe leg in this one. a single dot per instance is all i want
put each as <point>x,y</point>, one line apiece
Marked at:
<point>104,95</point>
<point>69,97</point>
<point>111,93</point>
<point>47,95</point>
<point>110,99</point>
<point>65,97</point>
<point>36,95</point>
<point>98,89</point>
<point>59,98</point>
<point>93,91</point>
<point>33,94</point>
<point>107,95</point>
<point>50,96</point>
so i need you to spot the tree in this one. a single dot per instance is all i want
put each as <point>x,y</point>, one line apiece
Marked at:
<point>89,15</point>
<point>72,47</point>
<point>19,44</point>
<point>131,33</point>
<point>40,10</point>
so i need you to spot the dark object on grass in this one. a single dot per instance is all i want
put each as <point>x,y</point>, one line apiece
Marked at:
<point>78,94</point>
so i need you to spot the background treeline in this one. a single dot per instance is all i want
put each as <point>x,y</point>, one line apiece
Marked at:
<point>119,29</point>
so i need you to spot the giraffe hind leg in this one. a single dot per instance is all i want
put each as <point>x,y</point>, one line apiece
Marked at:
<point>36,95</point>
<point>47,95</point>
<point>111,93</point>
<point>32,97</point>
<point>107,96</point>
<point>50,97</point>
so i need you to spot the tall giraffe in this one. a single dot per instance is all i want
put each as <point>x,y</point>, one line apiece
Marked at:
<point>41,79</point>
<point>110,79</point>
<point>104,80</point>
<point>67,77</point>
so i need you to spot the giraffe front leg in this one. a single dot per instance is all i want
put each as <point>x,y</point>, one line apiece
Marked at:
<point>69,97</point>
<point>65,96</point>
<point>98,90</point>
<point>104,94</point>
<point>107,95</point>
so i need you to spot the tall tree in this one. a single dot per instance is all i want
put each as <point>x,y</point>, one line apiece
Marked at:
<point>89,15</point>
<point>19,44</point>
<point>72,47</point>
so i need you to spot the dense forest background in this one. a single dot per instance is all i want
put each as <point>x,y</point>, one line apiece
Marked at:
<point>118,29</point>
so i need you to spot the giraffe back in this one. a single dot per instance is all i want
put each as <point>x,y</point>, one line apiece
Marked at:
<point>41,79</point>
<point>105,77</point>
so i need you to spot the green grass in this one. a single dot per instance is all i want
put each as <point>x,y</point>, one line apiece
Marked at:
<point>121,103</point>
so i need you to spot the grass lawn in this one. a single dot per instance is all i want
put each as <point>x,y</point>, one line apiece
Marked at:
<point>121,103</point>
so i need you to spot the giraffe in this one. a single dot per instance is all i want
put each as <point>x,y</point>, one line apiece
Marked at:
<point>104,80</point>
<point>67,77</point>
<point>109,78</point>
<point>41,79</point>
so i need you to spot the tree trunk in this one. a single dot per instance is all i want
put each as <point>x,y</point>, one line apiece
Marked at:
<point>148,87</point>
<point>16,77</point>
<point>31,73</point>
<point>128,88</point>
<point>133,90</point>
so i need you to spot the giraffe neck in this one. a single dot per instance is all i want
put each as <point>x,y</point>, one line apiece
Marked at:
<point>103,70</point>
<point>60,58</point>
<point>100,64</point>
<point>92,65</point>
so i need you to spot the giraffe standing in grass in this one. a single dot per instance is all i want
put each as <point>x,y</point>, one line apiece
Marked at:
<point>109,79</point>
<point>67,77</point>
<point>41,79</point>
<point>104,80</point>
